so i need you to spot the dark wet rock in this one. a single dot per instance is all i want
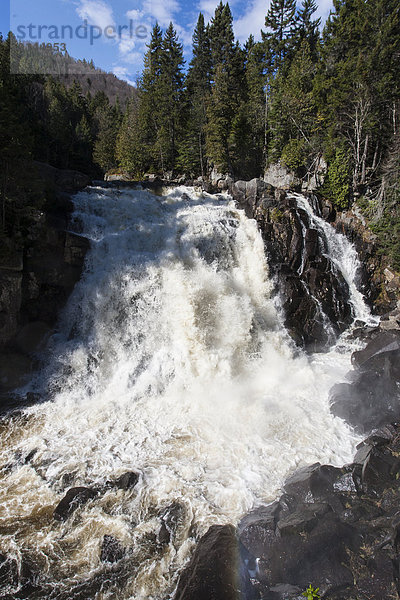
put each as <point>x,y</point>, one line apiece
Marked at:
<point>372,399</point>
<point>37,276</point>
<point>215,571</point>
<point>30,456</point>
<point>126,481</point>
<point>8,573</point>
<point>63,179</point>
<point>171,518</point>
<point>111,550</point>
<point>315,297</point>
<point>383,351</point>
<point>336,528</point>
<point>74,498</point>
<point>284,591</point>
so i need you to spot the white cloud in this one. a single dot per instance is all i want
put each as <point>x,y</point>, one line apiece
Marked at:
<point>124,74</point>
<point>126,44</point>
<point>207,7</point>
<point>96,12</point>
<point>135,14</point>
<point>252,21</point>
<point>163,11</point>
<point>324,7</point>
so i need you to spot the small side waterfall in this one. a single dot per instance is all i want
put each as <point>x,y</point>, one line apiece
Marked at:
<point>343,255</point>
<point>171,360</point>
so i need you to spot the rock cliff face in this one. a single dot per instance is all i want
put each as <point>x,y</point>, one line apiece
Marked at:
<point>36,280</point>
<point>380,284</point>
<point>315,295</point>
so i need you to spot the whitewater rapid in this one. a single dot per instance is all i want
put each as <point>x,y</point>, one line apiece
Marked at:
<point>170,360</point>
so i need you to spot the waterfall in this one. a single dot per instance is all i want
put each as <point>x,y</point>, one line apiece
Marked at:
<point>170,360</point>
<point>344,256</point>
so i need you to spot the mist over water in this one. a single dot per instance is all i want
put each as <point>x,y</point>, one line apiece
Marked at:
<point>171,360</point>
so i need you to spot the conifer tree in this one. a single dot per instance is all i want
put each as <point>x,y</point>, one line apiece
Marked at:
<point>170,94</point>
<point>308,28</point>
<point>192,157</point>
<point>281,23</point>
<point>228,89</point>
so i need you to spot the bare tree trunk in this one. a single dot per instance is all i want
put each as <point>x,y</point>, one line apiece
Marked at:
<point>4,194</point>
<point>201,156</point>
<point>364,160</point>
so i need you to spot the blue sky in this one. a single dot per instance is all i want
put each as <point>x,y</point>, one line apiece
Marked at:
<point>114,33</point>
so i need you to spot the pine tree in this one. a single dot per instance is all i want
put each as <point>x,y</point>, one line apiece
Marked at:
<point>131,153</point>
<point>255,107</point>
<point>308,29</point>
<point>108,121</point>
<point>171,88</point>
<point>192,157</point>
<point>281,23</point>
<point>150,99</point>
<point>228,89</point>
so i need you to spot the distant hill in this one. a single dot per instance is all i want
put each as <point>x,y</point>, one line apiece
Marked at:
<point>100,81</point>
<point>36,59</point>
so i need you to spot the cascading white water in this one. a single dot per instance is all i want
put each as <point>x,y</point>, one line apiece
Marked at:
<point>344,256</point>
<point>171,360</point>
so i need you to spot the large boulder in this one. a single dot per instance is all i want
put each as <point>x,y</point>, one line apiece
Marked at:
<point>279,176</point>
<point>74,498</point>
<point>333,528</point>
<point>372,399</point>
<point>216,571</point>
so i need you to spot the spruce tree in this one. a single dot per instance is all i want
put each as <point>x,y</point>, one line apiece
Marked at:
<point>170,94</point>
<point>192,157</point>
<point>281,23</point>
<point>308,28</point>
<point>228,89</point>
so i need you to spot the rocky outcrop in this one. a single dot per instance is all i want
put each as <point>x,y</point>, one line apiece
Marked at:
<point>380,284</point>
<point>336,529</point>
<point>373,396</point>
<point>280,177</point>
<point>216,571</point>
<point>63,180</point>
<point>314,294</point>
<point>37,274</point>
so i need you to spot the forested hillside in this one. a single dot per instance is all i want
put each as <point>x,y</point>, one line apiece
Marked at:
<point>295,96</point>
<point>54,120</point>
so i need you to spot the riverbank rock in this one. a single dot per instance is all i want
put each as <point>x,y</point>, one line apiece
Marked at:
<point>37,274</point>
<point>62,179</point>
<point>372,399</point>
<point>216,571</point>
<point>336,529</point>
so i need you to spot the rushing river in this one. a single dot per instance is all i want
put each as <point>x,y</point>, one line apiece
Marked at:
<point>170,360</point>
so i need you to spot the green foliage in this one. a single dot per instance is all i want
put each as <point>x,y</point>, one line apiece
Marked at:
<point>276,215</point>
<point>311,593</point>
<point>281,22</point>
<point>337,184</point>
<point>294,154</point>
